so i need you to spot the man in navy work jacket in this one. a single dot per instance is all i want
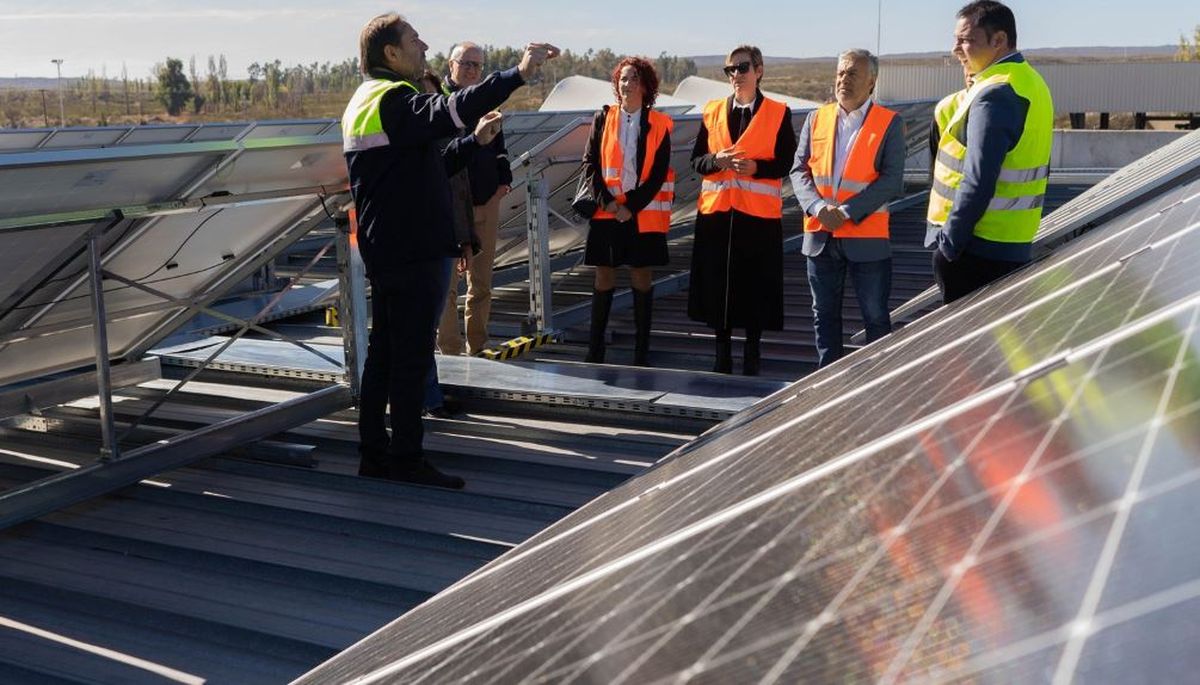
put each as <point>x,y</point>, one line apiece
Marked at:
<point>406,229</point>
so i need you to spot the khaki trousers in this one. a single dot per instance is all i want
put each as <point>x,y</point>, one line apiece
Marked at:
<point>479,289</point>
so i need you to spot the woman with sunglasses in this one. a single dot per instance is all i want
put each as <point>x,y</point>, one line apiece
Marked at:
<point>743,151</point>
<point>628,162</point>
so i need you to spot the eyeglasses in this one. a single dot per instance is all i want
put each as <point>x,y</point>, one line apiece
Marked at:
<point>739,68</point>
<point>469,64</point>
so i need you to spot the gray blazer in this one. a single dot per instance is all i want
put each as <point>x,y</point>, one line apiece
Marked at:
<point>890,183</point>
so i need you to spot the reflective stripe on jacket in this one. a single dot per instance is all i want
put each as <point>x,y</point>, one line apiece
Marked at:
<point>655,217</point>
<point>860,170</point>
<point>726,190</point>
<point>1015,210</point>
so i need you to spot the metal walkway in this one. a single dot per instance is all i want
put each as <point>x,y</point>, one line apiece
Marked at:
<point>257,566</point>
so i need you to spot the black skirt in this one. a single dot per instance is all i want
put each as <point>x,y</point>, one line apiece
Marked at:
<point>613,243</point>
<point>737,272</point>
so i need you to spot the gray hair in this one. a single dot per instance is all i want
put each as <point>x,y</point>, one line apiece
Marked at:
<point>457,51</point>
<point>859,53</point>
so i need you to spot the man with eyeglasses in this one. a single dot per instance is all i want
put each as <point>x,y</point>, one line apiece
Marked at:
<point>743,151</point>
<point>491,180</point>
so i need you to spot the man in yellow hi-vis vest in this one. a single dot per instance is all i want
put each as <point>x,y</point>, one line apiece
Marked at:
<point>993,158</point>
<point>390,134</point>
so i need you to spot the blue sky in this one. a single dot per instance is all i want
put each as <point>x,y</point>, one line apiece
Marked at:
<point>139,33</point>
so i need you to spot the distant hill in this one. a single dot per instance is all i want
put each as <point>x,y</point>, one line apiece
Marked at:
<point>1103,53</point>
<point>23,83</point>
<point>703,61</point>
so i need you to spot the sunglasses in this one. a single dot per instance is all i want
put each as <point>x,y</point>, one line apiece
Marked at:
<point>739,68</point>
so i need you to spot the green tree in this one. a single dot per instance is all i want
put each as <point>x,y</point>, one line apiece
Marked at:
<point>174,89</point>
<point>1189,51</point>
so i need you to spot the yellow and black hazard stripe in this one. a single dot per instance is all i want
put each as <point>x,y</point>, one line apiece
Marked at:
<point>518,346</point>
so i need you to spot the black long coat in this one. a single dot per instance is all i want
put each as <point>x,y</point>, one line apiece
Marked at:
<point>737,259</point>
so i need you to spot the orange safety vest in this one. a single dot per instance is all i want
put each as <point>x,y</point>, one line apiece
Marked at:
<point>656,216</point>
<point>726,190</point>
<point>860,170</point>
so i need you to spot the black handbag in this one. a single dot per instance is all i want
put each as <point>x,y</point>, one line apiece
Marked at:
<point>584,203</point>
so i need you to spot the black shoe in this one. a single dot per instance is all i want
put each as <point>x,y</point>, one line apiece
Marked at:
<point>441,412</point>
<point>372,463</point>
<point>423,473</point>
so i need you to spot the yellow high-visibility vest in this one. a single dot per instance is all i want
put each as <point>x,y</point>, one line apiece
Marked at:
<point>1015,211</point>
<point>362,126</point>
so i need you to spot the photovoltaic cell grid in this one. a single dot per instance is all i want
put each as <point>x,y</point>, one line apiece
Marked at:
<point>27,140</point>
<point>190,254</point>
<point>1160,169</point>
<point>1002,491</point>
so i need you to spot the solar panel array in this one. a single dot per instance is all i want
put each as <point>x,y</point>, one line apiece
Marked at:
<point>28,140</point>
<point>1129,185</point>
<point>188,219</point>
<point>1003,491</point>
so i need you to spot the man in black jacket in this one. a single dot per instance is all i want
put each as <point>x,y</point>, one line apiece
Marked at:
<point>491,180</point>
<point>406,229</point>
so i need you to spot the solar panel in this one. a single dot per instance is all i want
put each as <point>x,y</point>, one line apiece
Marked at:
<point>158,135</point>
<point>188,220</point>
<point>79,138</point>
<point>84,137</point>
<point>22,139</point>
<point>284,129</point>
<point>1002,491</point>
<point>59,181</point>
<point>218,132</point>
<point>1144,177</point>
<point>525,130</point>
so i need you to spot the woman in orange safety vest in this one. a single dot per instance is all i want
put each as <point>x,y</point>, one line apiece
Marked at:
<point>743,151</point>
<point>627,160</point>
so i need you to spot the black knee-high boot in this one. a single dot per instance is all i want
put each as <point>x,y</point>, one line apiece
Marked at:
<point>752,352</point>
<point>601,306</point>
<point>724,351</point>
<point>643,308</point>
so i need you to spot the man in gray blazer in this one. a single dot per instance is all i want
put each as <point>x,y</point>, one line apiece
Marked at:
<point>849,165</point>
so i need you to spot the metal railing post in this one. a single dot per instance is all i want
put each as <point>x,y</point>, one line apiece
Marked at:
<point>352,303</point>
<point>541,309</point>
<point>108,431</point>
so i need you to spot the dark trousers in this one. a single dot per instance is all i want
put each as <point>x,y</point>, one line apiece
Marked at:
<point>827,280</point>
<point>404,315</point>
<point>968,273</point>
<point>434,397</point>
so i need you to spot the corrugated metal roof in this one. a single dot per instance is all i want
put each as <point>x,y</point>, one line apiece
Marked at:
<point>1107,87</point>
<point>243,571</point>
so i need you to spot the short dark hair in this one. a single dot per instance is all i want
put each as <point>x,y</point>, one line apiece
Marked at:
<point>991,16</point>
<point>380,32</point>
<point>646,75</point>
<point>756,58</point>
<point>433,80</point>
